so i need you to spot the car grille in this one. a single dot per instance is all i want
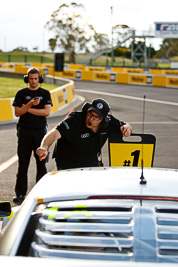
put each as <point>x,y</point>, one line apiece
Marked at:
<point>105,230</point>
<point>167,233</point>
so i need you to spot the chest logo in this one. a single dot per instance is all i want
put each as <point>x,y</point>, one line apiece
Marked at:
<point>28,97</point>
<point>85,135</point>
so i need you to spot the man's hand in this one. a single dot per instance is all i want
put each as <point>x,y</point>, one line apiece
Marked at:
<point>46,142</point>
<point>42,153</point>
<point>126,130</point>
<point>19,111</point>
<point>35,101</point>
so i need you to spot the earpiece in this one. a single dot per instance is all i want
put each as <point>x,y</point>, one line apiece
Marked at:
<point>41,79</point>
<point>86,106</point>
<point>105,122</point>
<point>25,77</point>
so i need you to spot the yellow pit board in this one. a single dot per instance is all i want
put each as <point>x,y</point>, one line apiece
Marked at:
<point>130,153</point>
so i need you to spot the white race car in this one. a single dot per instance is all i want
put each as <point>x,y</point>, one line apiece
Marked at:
<point>105,216</point>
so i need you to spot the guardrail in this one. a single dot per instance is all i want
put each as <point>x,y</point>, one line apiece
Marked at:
<point>151,77</point>
<point>61,96</point>
<point>146,76</point>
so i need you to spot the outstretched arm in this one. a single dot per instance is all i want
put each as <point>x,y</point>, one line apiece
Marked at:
<point>46,142</point>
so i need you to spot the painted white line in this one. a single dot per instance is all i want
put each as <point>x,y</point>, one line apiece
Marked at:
<point>154,122</point>
<point>6,164</point>
<point>127,97</point>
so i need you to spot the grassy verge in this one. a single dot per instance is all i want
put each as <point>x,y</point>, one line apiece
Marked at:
<point>10,86</point>
<point>27,57</point>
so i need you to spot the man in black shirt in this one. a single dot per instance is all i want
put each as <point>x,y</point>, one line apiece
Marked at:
<point>32,105</point>
<point>81,136</point>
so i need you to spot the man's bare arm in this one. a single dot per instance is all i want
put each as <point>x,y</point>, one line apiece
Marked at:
<point>19,111</point>
<point>46,142</point>
<point>41,112</point>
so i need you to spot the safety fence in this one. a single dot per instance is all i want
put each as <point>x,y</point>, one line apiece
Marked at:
<point>151,77</point>
<point>139,76</point>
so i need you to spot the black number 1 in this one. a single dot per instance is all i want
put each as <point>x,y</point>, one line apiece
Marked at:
<point>136,154</point>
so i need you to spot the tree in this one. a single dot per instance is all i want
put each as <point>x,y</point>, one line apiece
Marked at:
<point>151,52</point>
<point>120,32</point>
<point>122,51</point>
<point>35,48</point>
<point>72,32</point>
<point>52,44</point>
<point>102,41</point>
<point>20,49</point>
<point>169,48</point>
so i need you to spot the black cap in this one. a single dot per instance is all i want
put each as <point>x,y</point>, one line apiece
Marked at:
<point>101,106</point>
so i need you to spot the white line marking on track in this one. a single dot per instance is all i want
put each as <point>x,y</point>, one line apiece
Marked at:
<point>127,97</point>
<point>6,164</point>
<point>155,122</point>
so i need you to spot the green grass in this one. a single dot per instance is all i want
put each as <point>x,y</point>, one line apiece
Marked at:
<point>163,65</point>
<point>27,57</point>
<point>118,61</point>
<point>10,86</point>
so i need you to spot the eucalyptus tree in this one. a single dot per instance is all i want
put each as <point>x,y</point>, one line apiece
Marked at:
<point>71,30</point>
<point>168,48</point>
<point>52,44</point>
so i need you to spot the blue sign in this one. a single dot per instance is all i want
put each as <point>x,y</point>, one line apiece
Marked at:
<point>166,29</point>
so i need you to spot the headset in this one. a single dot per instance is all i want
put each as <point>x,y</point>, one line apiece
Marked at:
<point>41,78</point>
<point>104,123</point>
<point>106,120</point>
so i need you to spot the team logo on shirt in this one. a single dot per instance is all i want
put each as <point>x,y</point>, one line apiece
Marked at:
<point>28,97</point>
<point>66,125</point>
<point>85,135</point>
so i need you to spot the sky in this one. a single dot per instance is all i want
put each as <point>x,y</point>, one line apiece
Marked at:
<point>22,23</point>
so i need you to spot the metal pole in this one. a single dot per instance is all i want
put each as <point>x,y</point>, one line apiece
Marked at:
<point>112,51</point>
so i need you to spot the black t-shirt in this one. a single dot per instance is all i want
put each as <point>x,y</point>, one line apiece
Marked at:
<point>23,96</point>
<point>79,145</point>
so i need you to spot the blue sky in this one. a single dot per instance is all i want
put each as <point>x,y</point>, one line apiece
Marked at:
<point>22,22</point>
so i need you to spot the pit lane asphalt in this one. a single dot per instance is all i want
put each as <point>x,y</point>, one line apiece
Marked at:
<point>161,119</point>
<point>8,144</point>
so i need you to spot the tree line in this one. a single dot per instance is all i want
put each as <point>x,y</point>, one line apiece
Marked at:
<point>73,34</point>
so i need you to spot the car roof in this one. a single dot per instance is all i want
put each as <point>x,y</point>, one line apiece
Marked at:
<point>87,182</point>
